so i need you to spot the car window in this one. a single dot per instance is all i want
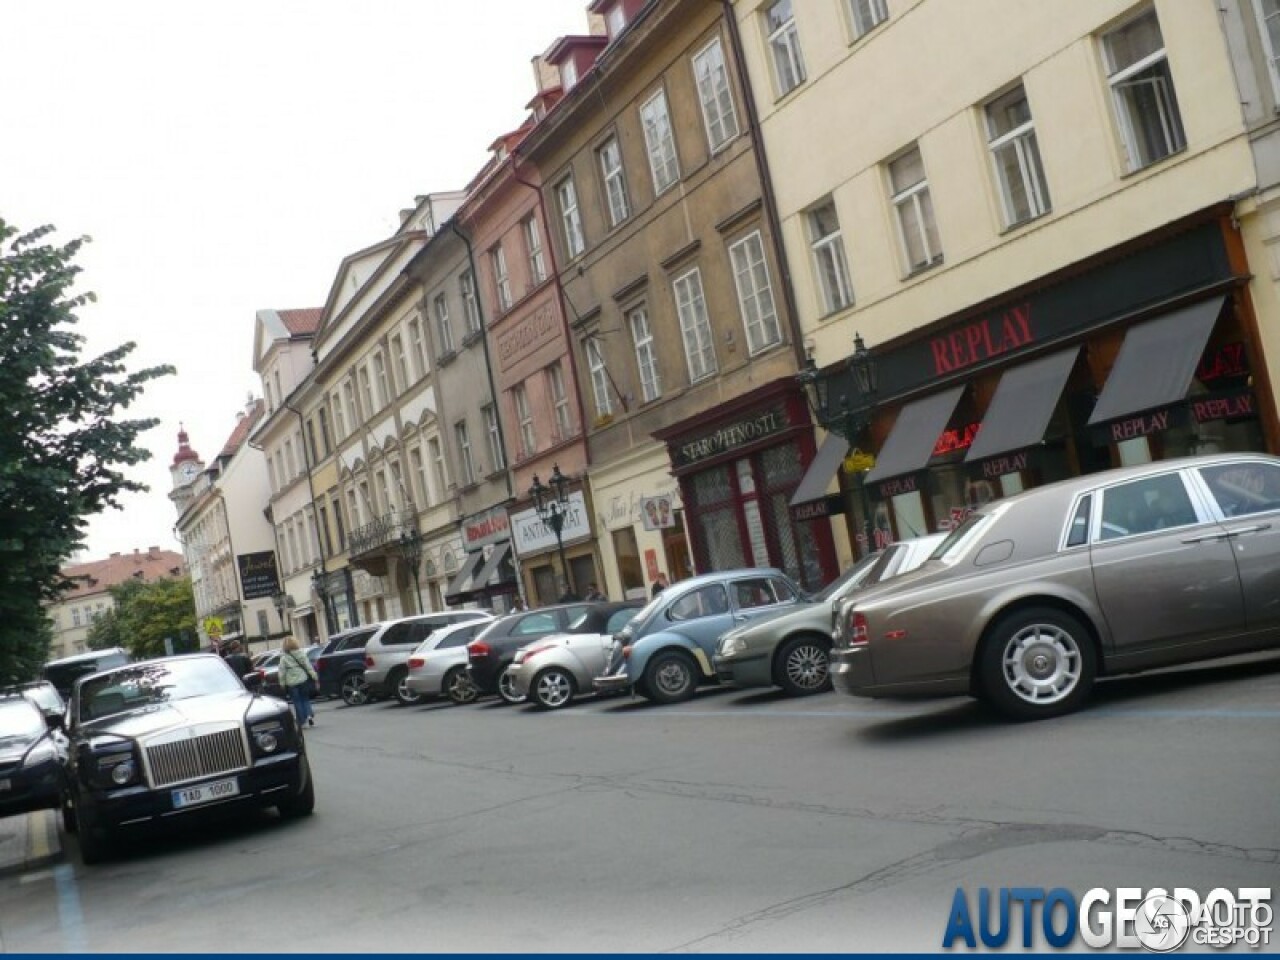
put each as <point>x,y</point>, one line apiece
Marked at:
<point>620,618</point>
<point>783,592</point>
<point>462,636</point>
<point>536,623</point>
<point>755,592</point>
<point>20,722</point>
<point>1146,505</point>
<point>397,633</point>
<point>1079,532</point>
<point>1244,488</point>
<point>704,602</point>
<point>422,629</point>
<point>577,616</point>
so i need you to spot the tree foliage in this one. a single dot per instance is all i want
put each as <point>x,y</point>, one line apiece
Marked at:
<point>145,614</point>
<point>63,443</point>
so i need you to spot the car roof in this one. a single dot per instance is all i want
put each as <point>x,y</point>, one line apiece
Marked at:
<point>720,576</point>
<point>88,656</point>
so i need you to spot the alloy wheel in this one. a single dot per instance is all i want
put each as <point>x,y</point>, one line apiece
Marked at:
<point>807,666</point>
<point>553,689</point>
<point>1042,663</point>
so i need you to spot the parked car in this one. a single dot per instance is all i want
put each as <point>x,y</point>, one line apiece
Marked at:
<point>438,667</point>
<point>43,694</point>
<point>31,756</point>
<point>1034,596</point>
<point>791,648</point>
<point>270,670</point>
<point>492,652</point>
<point>176,738</point>
<point>64,673</point>
<point>341,666</point>
<point>551,671</point>
<point>386,656</point>
<point>666,651</point>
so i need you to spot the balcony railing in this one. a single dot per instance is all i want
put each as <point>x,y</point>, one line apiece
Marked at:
<point>381,531</point>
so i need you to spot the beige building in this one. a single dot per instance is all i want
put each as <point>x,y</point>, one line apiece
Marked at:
<point>1036,229</point>
<point>90,596</point>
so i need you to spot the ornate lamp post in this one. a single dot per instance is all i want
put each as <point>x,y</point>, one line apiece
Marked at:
<point>321,586</point>
<point>282,603</point>
<point>847,418</point>
<point>409,544</point>
<point>551,500</point>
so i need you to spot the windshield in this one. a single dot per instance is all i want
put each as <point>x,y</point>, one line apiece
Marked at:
<point>847,580</point>
<point>147,684</point>
<point>20,723</point>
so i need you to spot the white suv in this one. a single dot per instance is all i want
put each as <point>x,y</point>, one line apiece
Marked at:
<point>386,656</point>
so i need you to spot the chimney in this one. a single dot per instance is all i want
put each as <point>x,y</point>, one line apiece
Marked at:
<point>545,75</point>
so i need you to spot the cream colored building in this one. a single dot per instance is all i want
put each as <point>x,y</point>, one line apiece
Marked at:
<point>1028,211</point>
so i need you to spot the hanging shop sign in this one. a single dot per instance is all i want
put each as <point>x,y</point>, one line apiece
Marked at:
<point>488,526</point>
<point>658,513</point>
<point>530,535</point>
<point>258,577</point>
<point>760,425</point>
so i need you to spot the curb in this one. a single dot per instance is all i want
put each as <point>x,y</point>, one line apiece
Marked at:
<point>29,841</point>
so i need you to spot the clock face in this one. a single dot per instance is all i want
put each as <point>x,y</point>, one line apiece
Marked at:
<point>188,471</point>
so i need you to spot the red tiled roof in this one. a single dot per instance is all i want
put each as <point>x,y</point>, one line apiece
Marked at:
<point>299,323</point>
<point>243,428</point>
<point>97,575</point>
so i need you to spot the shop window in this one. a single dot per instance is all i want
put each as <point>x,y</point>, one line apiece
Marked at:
<point>626,554</point>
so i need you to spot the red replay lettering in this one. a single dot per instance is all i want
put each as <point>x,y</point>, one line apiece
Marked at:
<point>982,340</point>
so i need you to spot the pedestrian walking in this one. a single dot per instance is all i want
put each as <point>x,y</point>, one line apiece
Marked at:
<point>660,583</point>
<point>297,676</point>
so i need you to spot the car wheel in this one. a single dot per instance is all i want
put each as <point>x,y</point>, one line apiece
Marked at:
<point>552,688</point>
<point>406,696</point>
<point>669,678</point>
<point>354,690</point>
<point>458,687</point>
<point>507,688</point>
<point>1038,663</point>
<point>94,842</point>
<point>804,666</point>
<point>303,803</point>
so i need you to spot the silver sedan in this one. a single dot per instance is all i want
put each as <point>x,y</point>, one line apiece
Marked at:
<point>438,667</point>
<point>1034,596</point>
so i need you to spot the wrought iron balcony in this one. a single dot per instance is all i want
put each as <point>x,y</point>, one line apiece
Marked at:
<point>382,532</point>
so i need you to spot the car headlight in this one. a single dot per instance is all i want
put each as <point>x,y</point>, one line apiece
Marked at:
<point>732,645</point>
<point>117,769</point>
<point>268,737</point>
<point>42,752</point>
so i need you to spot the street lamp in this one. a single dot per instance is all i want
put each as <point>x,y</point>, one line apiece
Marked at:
<point>551,501</point>
<point>281,601</point>
<point>321,586</point>
<point>847,419</point>
<point>410,546</point>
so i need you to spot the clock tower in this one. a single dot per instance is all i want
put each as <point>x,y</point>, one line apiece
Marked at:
<point>186,466</point>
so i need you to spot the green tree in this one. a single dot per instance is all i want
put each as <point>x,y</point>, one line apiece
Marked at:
<point>145,614</point>
<point>63,441</point>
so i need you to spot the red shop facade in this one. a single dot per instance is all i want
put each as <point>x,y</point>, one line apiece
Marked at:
<point>738,466</point>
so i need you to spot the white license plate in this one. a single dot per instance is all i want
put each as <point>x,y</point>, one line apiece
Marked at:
<point>205,793</point>
<point>5,784</point>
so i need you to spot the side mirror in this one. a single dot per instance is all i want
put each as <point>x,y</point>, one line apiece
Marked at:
<point>253,681</point>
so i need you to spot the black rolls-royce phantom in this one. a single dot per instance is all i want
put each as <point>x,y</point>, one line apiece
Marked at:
<point>167,740</point>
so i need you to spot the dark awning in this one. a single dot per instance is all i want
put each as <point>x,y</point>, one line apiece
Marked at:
<point>915,433</point>
<point>813,486</point>
<point>461,582</point>
<point>1024,402</point>
<point>481,579</point>
<point>1157,361</point>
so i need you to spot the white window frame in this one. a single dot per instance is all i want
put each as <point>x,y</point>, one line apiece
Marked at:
<point>339,415</point>
<point>715,93</point>
<point>465,460</point>
<point>915,195</point>
<point>399,361</point>
<point>1270,44</point>
<point>524,418</point>
<point>559,400</point>
<point>418,469</point>
<point>599,378</point>
<point>828,252</point>
<point>646,355</point>
<point>418,345</point>
<point>501,278</point>
<point>570,218</point>
<point>366,390</point>
<point>755,293</point>
<point>866,15</point>
<point>1170,115</point>
<point>1021,140</point>
<point>615,20</point>
<point>695,325</point>
<point>380,378</point>
<point>533,248</point>
<point>615,181</point>
<point>439,466</point>
<point>784,49</point>
<point>660,142</point>
<point>470,305</point>
<point>568,74</point>
<point>444,330</point>
<point>496,456</point>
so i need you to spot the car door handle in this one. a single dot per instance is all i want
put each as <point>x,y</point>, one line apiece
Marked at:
<point>1207,537</point>
<point>1256,528</point>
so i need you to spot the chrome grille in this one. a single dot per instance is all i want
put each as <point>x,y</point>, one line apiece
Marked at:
<point>203,756</point>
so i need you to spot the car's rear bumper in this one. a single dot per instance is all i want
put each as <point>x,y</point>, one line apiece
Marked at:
<point>31,789</point>
<point>612,683</point>
<point>851,672</point>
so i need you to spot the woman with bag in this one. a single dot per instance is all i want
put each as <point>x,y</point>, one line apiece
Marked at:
<point>296,676</point>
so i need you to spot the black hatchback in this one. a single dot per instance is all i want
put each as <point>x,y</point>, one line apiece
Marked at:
<point>492,652</point>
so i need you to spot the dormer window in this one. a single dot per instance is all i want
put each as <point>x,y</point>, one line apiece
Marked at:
<point>568,74</point>
<point>615,20</point>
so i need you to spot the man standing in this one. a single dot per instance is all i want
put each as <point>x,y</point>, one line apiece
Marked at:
<point>236,660</point>
<point>660,583</point>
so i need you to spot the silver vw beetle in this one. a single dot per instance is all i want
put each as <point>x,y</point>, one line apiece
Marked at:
<point>552,670</point>
<point>1034,596</point>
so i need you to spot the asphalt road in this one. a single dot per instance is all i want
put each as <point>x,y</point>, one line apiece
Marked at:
<point>740,821</point>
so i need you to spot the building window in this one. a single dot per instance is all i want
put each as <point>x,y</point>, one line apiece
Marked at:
<point>438,465</point>
<point>1268,14</point>
<point>399,362</point>
<point>559,400</point>
<point>353,509</point>
<point>715,95</point>
<point>646,356</point>
<point>339,418</point>
<point>323,416</point>
<point>366,391</point>
<point>440,310</point>
<point>524,417</point>
<point>75,616</point>
<point>326,539</point>
<point>755,293</point>
<point>470,305</point>
<point>397,486</point>
<point>784,46</point>
<point>615,20</point>
<point>385,393</point>
<point>916,228</point>
<point>659,141</point>
<point>695,326</point>
<point>571,221</point>
<point>867,15</point>
<point>349,399</point>
<point>615,184</point>
<point>533,248</point>
<point>418,346</point>
<point>1011,137</point>
<point>599,378</point>
<point>568,74</point>
<point>501,281</point>
<point>336,504</point>
<point>465,459</point>
<point>494,436</point>
<point>1142,91</point>
<point>418,468</point>
<point>827,244</point>
<point>291,469</point>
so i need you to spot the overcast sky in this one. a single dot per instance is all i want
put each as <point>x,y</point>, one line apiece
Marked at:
<point>225,157</point>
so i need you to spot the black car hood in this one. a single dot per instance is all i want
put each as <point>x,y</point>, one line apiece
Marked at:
<point>159,717</point>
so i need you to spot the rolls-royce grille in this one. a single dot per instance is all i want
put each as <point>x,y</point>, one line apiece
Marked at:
<point>197,757</point>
